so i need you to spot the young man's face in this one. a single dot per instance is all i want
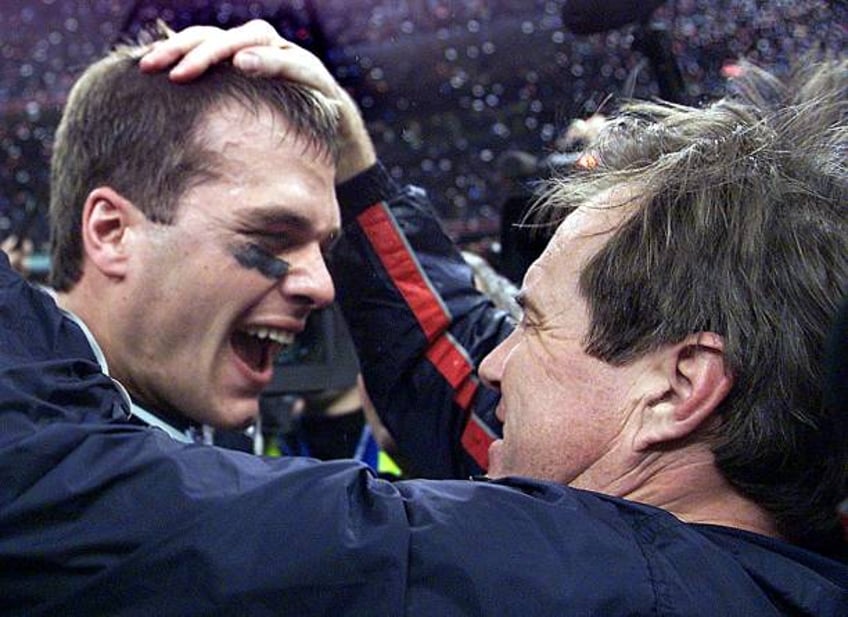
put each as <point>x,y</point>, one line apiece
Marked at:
<point>217,293</point>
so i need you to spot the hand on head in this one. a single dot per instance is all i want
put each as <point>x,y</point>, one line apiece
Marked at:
<point>257,49</point>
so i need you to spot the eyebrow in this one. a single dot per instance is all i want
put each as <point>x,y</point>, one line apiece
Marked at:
<point>272,218</point>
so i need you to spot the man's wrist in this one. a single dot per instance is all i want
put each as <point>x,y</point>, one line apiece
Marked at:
<point>369,186</point>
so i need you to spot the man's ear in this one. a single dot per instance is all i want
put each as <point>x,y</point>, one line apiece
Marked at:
<point>696,379</point>
<point>107,217</point>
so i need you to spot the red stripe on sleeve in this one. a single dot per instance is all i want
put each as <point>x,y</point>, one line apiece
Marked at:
<point>465,393</point>
<point>476,439</point>
<point>444,353</point>
<point>396,257</point>
<point>451,362</point>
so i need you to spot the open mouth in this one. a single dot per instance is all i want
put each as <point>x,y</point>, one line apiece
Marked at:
<point>257,347</point>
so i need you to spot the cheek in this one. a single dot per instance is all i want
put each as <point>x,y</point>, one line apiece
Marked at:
<point>578,376</point>
<point>567,391</point>
<point>552,374</point>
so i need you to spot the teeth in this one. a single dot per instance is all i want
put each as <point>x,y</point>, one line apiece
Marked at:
<point>278,336</point>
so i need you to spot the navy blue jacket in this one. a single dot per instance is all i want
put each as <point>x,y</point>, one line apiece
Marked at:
<point>99,516</point>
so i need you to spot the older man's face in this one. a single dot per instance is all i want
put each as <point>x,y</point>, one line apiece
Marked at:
<point>218,293</point>
<point>566,414</point>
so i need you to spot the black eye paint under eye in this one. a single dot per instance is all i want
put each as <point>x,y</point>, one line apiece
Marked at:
<point>254,257</point>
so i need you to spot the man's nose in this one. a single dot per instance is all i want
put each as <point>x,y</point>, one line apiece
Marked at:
<point>308,278</point>
<point>491,368</point>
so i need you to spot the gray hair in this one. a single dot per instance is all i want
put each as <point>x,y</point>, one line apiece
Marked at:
<point>740,229</point>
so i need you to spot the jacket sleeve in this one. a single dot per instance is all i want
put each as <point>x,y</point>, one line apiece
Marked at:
<point>101,517</point>
<point>419,324</point>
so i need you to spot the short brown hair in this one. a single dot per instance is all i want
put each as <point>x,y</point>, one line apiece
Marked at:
<point>740,229</point>
<point>138,133</point>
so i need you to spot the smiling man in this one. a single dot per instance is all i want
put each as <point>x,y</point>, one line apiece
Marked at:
<point>566,414</point>
<point>189,226</point>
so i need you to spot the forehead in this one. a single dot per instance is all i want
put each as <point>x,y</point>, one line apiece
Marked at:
<point>583,233</point>
<point>602,214</point>
<point>231,128</point>
<point>261,167</point>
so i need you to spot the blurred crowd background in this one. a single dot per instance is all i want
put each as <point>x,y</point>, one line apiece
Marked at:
<point>447,86</point>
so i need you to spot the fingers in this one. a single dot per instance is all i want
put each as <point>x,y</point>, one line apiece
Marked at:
<point>164,53</point>
<point>288,62</point>
<point>197,48</point>
<point>254,47</point>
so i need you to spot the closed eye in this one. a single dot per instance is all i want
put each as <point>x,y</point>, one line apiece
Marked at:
<point>530,316</point>
<point>521,301</point>
<point>273,242</point>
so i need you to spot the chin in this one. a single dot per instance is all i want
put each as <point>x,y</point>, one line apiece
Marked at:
<point>236,415</point>
<point>496,463</point>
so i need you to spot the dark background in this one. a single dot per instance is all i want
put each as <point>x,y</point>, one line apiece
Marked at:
<point>446,86</point>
